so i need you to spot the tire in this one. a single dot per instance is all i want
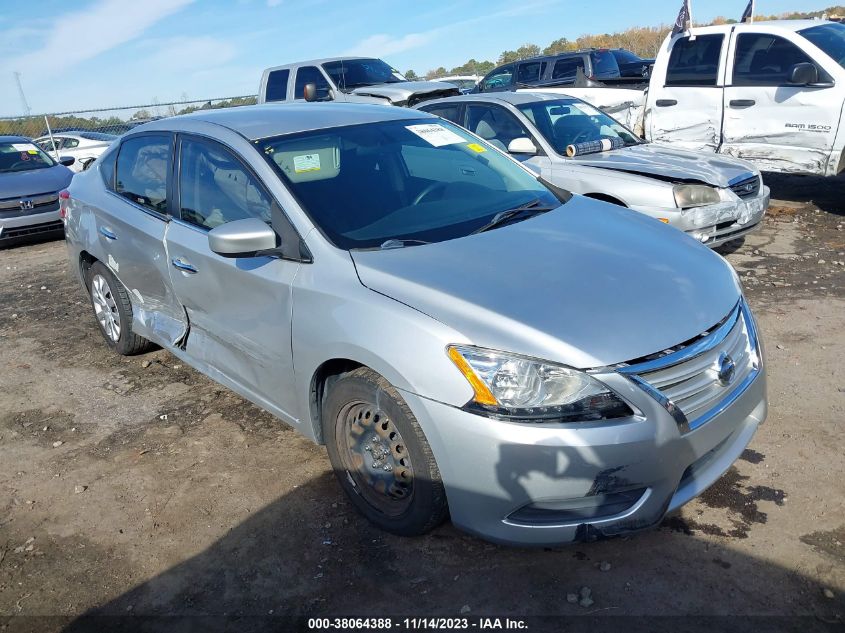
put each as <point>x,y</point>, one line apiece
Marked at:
<point>368,427</point>
<point>113,311</point>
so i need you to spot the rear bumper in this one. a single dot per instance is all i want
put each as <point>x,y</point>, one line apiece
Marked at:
<point>552,484</point>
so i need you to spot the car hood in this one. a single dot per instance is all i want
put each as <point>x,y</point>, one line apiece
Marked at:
<point>28,183</point>
<point>588,284</point>
<point>671,164</point>
<point>399,93</point>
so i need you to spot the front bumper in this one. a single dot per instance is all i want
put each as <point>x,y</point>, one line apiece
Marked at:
<point>503,478</point>
<point>16,227</point>
<point>716,224</point>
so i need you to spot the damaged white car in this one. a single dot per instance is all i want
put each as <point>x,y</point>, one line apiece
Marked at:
<point>715,199</point>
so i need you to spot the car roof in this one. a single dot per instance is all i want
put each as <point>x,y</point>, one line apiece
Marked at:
<point>513,98</point>
<point>317,62</point>
<point>275,119</point>
<point>13,139</point>
<point>788,25</point>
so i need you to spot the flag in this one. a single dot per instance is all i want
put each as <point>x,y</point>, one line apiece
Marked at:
<point>682,22</point>
<point>748,14</point>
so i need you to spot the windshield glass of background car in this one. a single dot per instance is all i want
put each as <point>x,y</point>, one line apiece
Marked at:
<point>830,38</point>
<point>568,121</point>
<point>425,179</point>
<point>604,64</point>
<point>352,73</point>
<point>23,156</point>
<point>625,57</point>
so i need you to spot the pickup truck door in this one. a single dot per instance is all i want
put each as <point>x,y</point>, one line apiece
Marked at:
<point>778,125</point>
<point>239,308</point>
<point>684,104</point>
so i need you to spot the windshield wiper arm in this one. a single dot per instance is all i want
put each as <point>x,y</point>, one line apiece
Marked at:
<point>394,243</point>
<point>529,209</point>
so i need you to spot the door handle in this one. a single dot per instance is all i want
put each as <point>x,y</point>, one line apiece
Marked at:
<point>742,103</point>
<point>182,265</point>
<point>107,233</point>
<point>665,103</point>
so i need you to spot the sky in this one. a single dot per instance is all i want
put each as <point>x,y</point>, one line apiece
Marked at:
<point>107,53</point>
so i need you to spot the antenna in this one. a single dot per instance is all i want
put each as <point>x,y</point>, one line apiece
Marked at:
<point>26,107</point>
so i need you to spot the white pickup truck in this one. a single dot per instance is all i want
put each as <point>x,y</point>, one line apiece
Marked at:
<point>768,92</point>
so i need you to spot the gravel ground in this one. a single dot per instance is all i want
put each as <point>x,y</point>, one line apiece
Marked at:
<point>136,486</point>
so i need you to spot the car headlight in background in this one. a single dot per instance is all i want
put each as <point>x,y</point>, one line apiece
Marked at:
<point>687,196</point>
<point>516,387</point>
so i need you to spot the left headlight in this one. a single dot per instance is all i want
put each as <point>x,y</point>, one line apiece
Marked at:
<point>517,387</point>
<point>687,196</point>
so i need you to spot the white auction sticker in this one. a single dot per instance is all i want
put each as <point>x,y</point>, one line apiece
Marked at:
<point>435,134</point>
<point>25,147</point>
<point>306,162</point>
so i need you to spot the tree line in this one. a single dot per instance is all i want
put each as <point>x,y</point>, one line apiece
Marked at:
<point>645,41</point>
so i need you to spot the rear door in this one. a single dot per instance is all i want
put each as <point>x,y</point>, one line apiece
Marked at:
<point>779,126</point>
<point>239,308</point>
<point>131,231</point>
<point>685,95</point>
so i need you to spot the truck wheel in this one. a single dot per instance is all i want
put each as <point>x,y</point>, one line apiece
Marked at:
<point>381,456</point>
<point>113,311</point>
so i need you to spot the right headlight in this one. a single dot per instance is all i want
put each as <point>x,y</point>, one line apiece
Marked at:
<point>517,387</point>
<point>687,196</point>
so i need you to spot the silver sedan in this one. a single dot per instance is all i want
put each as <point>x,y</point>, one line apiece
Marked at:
<point>715,199</point>
<point>464,340</point>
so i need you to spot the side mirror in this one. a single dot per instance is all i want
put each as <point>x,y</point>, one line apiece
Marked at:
<point>803,74</point>
<point>67,161</point>
<point>242,238</point>
<point>522,145</point>
<point>309,93</point>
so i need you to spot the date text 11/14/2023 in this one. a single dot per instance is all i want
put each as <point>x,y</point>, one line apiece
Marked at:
<point>417,624</point>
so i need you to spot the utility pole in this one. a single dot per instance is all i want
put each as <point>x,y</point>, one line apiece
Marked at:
<point>20,92</point>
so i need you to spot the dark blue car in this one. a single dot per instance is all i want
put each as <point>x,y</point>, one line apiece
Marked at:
<point>30,182</point>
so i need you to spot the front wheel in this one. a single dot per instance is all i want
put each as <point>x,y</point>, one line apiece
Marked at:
<point>381,456</point>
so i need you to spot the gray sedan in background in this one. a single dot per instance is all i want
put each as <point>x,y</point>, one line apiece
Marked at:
<point>464,338</point>
<point>30,182</point>
<point>715,199</point>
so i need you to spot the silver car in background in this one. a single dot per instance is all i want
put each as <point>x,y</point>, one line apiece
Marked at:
<point>715,199</point>
<point>463,338</point>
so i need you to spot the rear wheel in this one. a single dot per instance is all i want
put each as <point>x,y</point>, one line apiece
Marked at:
<point>113,311</point>
<point>381,456</point>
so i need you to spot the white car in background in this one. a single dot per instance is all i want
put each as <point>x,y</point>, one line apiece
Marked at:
<point>465,83</point>
<point>84,146</point>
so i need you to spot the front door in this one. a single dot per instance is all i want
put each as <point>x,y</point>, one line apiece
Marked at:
<point>685,100</point>
<point>239,309</point>
<point>778,126</point>
<point>131,235</point>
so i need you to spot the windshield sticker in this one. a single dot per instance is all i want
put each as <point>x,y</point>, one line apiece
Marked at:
<point>434,134</point>
<point>306,162</point>
<point>475,147</point>
<point>586,109</point>
<point>25,147</point>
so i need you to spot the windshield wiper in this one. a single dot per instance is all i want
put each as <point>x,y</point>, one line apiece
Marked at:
<point>394,243</point>
<point>528,210</point>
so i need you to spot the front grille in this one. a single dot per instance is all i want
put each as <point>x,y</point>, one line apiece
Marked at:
<point>688,379</point>
<point>747,188</point>
<point>41,203</point>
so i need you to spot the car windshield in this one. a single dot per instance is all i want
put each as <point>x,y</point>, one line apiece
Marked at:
<point>22,156</point>
<point>830,38</point>
<point>604,64</point>
<point>565,122</point>
<point>408,181</point>
<point>353,73</point>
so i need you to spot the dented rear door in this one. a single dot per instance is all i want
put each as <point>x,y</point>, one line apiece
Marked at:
<point>779,126</point>
<point>684,106</point>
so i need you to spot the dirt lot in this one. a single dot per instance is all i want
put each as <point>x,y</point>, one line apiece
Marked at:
<point>138,487</point>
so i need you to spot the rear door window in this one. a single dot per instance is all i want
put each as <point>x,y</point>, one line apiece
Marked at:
<point>143,167</point>
<point>765,60</point>
<point>447,111</point>
<point>277,85</point>
<point>695,62</point>
<point>567,67</point>
<point>530,72</point>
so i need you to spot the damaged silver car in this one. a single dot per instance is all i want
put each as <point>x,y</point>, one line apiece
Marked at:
<point>715,199</point>
<point>466,340</point>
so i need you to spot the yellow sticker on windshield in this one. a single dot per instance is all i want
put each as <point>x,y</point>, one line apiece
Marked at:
<point>32,151</point>
<point>475,147</point>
